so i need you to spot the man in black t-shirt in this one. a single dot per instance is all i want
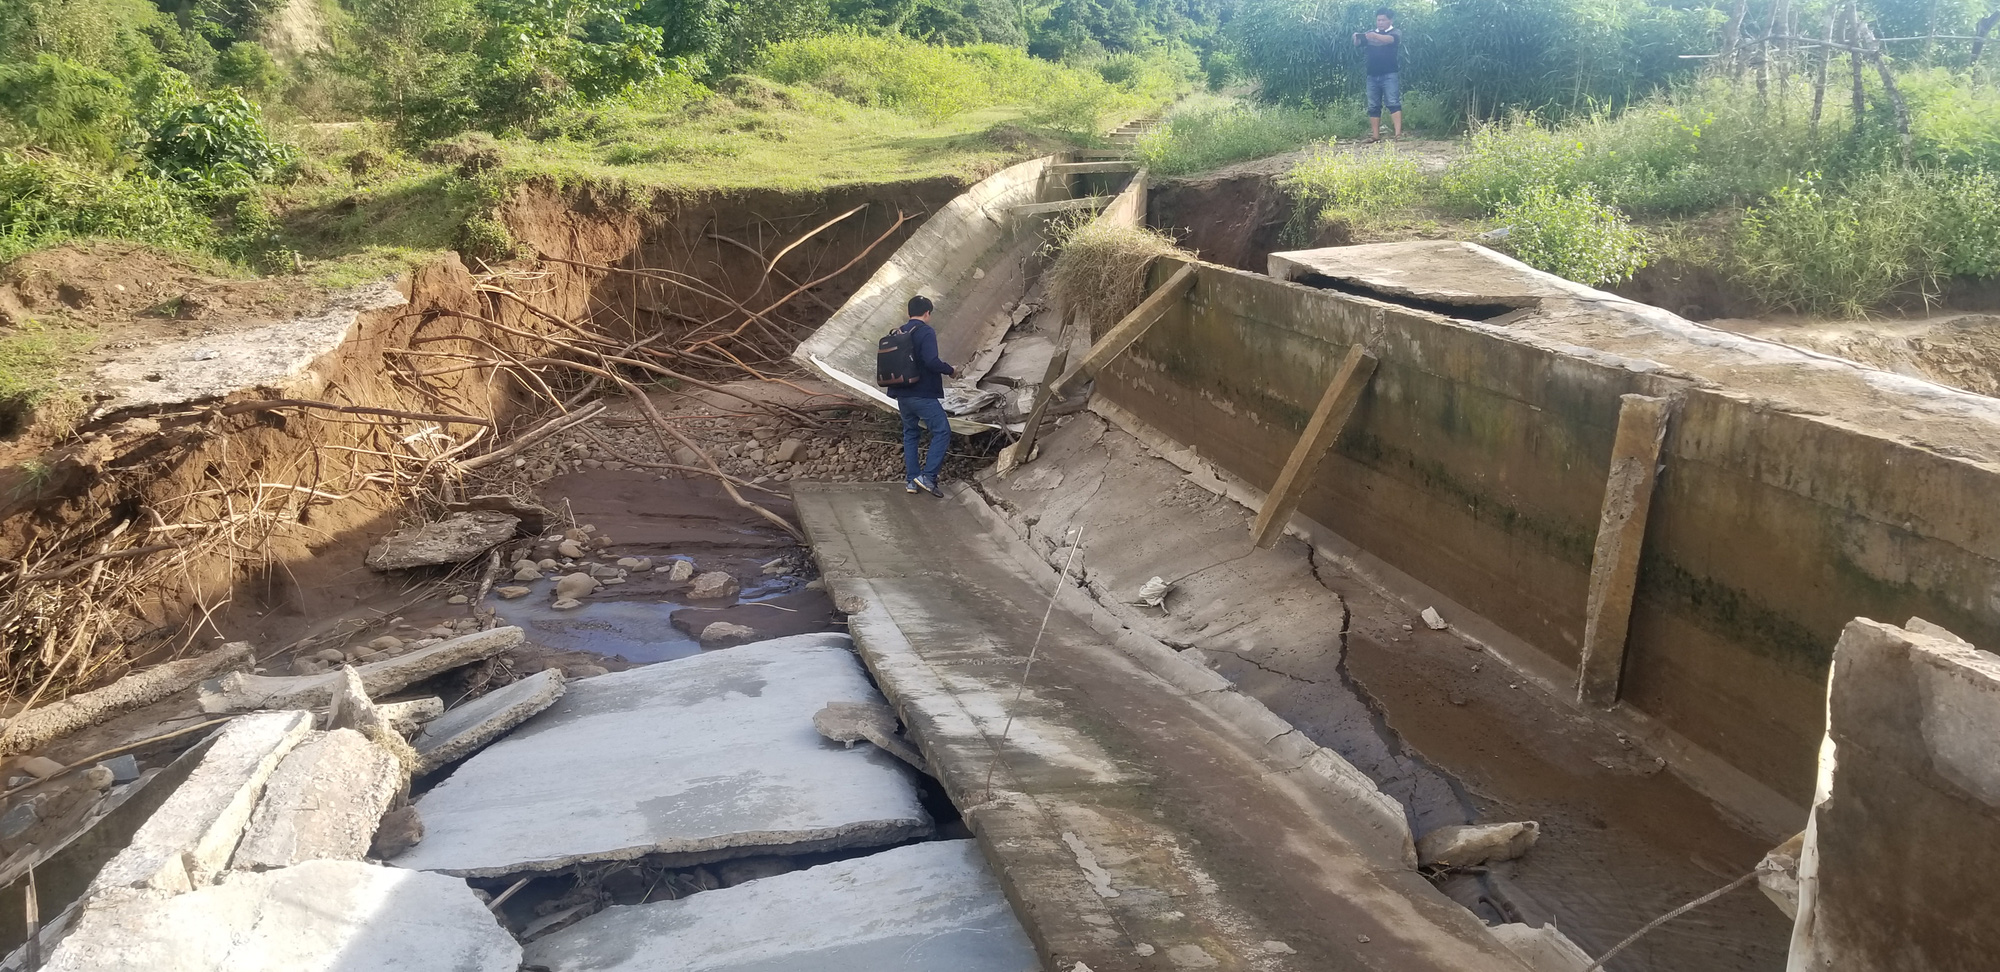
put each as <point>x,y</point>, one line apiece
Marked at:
<point>1381,46</point>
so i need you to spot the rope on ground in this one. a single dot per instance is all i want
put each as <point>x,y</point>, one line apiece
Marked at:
<point>1669,916</point>
<point>1021,689</point>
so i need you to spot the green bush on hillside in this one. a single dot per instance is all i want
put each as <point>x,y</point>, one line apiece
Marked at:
<point>1358,188</point>
<point>1571,234</point>
<point>935,83</point>
<point>1214,133</point>
<point>46,199</point>
<point>1846,249</point>
<point>212,143</point>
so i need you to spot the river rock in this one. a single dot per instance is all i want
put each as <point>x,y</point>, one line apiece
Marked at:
<point>636,563</point>
<point>724,633</point>
<point>713,585</point>
<point>575,585</point>
<point>386,643</point>
<point>511,592</point>
<point>1470,845</point>
<point>401,829</point>
<point>570,549</point>
<point>455,539</point>
<point>680,571</point>
<point>565,604</point>
<point>527,573</point>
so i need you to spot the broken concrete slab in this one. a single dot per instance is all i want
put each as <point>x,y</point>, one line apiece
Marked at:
<point>917,908</point>
<point>323,802</point>
<point>852,722</point>
<point>239,692</point>
<point>189,838</point>
<point>460,732</point>
<point>703,758</point>
<point>276,356</point>
<point>1469,845</point>
<point>1902,841</point>
<point>333,916</point>
<point>406,716</point>
<point>457,538</point>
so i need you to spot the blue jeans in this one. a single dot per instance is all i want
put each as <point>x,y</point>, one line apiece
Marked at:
<point>1384,89</point>
<point>929,414</point>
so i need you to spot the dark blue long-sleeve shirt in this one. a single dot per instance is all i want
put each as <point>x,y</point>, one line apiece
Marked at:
<point>931,385</point>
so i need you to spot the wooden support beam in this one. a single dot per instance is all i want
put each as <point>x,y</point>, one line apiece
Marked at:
<point>1130,329</point>
<point>1086,168</point>
<point>1327,420</point>
<point>1621,529</point>
<point>1022,449</point>
<point>1063,206</point>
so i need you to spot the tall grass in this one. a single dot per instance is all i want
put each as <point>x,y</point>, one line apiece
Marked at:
<point>45,199</point>
<point>935,83</point>
<point>1823,248</point>
<point>1216,133</point>
<point>1680,152</point>
<point>1359,189</point>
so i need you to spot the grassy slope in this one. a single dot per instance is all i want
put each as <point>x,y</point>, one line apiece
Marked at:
<point>356,220</point>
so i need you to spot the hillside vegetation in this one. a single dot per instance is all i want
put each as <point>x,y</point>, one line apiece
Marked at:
<point>1836,161</point>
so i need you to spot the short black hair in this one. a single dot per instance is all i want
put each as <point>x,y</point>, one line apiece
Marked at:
<point>920,305</point>
<point>1385,12</point>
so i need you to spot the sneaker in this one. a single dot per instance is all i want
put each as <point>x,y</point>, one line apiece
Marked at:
<point>910,487</point>
<point>929,485</point>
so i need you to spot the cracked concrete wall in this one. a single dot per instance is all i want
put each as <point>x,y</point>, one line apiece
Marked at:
<point>1904,842</point>
<point>1476,463</point>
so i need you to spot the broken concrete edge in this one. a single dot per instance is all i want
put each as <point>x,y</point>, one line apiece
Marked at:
<point>37,727</point>
<point>240,692</point>
<point>278,355</point>
<point>190,837</point>
<point>1280,740</point>
<point>1749,803</point>
<point>323,802</point>
<point>939,256</point>
<point>464,730</point>
<point>688,853</point>
<point>1013,834</point>
<point>321,914</point>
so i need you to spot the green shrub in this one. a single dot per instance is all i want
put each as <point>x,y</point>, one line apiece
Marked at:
<point>249,67</point>
<point>65,106</point>
<point>935,83</point>
<point>44,200</point>
<point>214,143</point>
<point>1213,133</point>
<point>1886,235</point>
<point>1359,188</point>
<point>1571,234</point>
<point>1813,250</point>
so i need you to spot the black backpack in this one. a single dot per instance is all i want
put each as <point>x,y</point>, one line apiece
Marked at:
<point>896,362</point>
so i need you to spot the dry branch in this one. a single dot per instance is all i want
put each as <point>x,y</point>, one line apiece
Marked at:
<point>273,404</point>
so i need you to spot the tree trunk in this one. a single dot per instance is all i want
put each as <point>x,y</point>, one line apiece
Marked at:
<point>1819,78</point>
<point>1889,88</point>
<point>1731,35</point>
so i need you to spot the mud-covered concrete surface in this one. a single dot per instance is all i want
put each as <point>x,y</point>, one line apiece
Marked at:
<point>1448,729</point>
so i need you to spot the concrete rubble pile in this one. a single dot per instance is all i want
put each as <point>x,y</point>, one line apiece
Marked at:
<point>271,854</point>
<point>259,858</point>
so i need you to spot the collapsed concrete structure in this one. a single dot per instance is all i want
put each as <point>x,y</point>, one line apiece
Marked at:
<point>1665,523</point>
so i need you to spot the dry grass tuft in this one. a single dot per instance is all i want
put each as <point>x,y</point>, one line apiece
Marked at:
<point>1100,270</point>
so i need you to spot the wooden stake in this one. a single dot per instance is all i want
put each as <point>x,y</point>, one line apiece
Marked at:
<point>1819,78</point>
<point>1129,330</point>
<point>1621,529</point>
<point>1018,453</point>
<point>1327,420</point>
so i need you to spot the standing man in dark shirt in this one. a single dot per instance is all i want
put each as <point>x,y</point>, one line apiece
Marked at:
<point>921,403</point>
<point>1381,46</point>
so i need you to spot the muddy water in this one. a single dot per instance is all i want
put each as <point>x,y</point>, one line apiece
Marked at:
<point>650,618</point>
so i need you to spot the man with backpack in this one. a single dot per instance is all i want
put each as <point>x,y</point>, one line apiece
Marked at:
<point>909,370</point>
